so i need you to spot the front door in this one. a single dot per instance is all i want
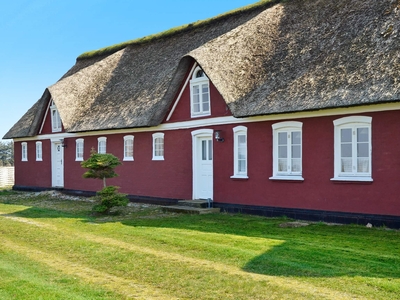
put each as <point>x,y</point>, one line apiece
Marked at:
<point>203,165</point>
<point>57,164</point>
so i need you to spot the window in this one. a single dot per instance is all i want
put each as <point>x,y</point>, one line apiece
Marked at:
<point>239,152</point>
<point>55,118</point>
<point>79,150</point>
<point>199,94</point>
<point>128,147</point>
<point>102,145</point>
<point>353,149</point>
<point>39,154</point>
<point>24,148</point>
<point>287,150</point>
<point>158,146</point>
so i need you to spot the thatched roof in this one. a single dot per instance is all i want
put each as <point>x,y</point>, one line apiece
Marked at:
<point>308,55</point>
<point>297,55</point>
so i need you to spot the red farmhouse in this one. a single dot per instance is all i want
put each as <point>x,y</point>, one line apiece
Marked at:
<point>276,109</point>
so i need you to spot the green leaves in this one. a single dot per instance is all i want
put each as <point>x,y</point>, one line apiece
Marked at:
<point>101,166</point>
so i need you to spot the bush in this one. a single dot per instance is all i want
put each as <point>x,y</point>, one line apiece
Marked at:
<point>109,198</point>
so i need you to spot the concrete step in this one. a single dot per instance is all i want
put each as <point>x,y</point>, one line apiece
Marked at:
<point>194,203</point>
<point>189,209</point>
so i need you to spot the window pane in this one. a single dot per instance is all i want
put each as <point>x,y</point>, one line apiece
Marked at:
<point>346,150</point>
<point>205,98</point>
<point>196,98</point>
<point>346,164</point>
<point>210,153</point>
<point>362,135</point>
<point>296,151</point>
<point>242,166</point>
<point>362,150</point>
<point>159,147</point>
<point>345,135</point>
<point>129,148</point>
<point>204,150</point>
<point>363,165</point>
<point>282,151</point>
<point>282,165</point>
<point>282,138</point>
<point>296,138</point>
<point>296,165</point>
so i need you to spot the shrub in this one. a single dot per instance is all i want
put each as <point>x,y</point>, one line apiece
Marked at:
<point>109,198</point>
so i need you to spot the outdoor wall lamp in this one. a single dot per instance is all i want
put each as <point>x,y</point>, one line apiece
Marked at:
<point>217,136</point>
<point>63,144</point>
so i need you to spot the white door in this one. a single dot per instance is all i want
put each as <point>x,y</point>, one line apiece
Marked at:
<point>57,165</point>
<point>203,166</point>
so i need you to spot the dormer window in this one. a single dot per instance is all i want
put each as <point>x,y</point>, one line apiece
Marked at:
<point>55,118</point>
<point>200,94</point>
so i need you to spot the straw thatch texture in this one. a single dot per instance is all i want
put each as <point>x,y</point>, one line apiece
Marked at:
<point>295,56</point>
<point>308,55</point>
<point>134,86</point>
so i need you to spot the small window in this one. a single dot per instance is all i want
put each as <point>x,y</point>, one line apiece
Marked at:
<point>158,146</point>
<point>79,150</point>
<point>287,150</point>
<point>239,152</point>
<point>55,118</point>
<point>102,145</point>
<point>200,94</point>
<point>353,149</point>
<point>24,148</point>
<point>128,147</point>
<point>39,152</point>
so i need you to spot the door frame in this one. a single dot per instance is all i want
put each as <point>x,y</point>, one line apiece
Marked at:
<point>54,144</point>
<point>196,136</point>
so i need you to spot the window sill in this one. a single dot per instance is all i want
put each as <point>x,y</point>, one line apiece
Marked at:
<point>200,115</point>
<point>353,179</point>
<point>240,177</point>
<point>78,159</point>
<point>287,178</point>
<point>39,159</point>
<point>158,158</point>
<point>128,159</point>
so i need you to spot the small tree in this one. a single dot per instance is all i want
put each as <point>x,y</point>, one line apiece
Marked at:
<point>101,166</point>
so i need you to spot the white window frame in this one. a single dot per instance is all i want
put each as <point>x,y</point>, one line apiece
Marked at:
<point>39,151</point>
<point>353,123</point>
<point>128,142</point>
<point>56,125</point>
<point>286,127</point>
<point>237,173</point>
<point>79,149</point>
<point>24,149</point>
<point>199,82</point>
<point>102,143</point>
<point>156,155</point>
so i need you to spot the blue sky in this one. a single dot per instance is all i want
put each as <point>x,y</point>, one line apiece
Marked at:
<point>40,39</point>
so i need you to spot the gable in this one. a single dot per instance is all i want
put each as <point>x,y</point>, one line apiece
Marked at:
<point>182,107</point>
<point>51,122</point>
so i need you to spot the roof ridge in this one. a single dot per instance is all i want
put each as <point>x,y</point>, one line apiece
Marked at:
<point>176,30</point>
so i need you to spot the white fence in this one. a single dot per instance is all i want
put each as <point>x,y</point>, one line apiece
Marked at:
<point>6,176</point>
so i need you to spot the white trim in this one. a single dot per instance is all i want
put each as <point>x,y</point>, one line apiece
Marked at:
<point>199,82</point>
<point>100,140</point>
<point>287,127</point>
<point>287,177</point>
<point>39,147</point>
<point>181,92</point>
<point>351,122</point>
<point>77,141</point>
<point>129,138</point>
<point>224,121</point>
<point>195,135</point>
<point>45,115</point>
<point>24,149</point>
<point>57,120</point>
<point>239,130</point>
<point>155,136</point>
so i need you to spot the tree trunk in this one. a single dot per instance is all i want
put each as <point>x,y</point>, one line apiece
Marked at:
<point>104,182</point>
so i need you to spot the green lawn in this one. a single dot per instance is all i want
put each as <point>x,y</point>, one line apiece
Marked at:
<point>53,248</point>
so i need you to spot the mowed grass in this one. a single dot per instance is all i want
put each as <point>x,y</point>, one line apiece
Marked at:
<point>54,248</point>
